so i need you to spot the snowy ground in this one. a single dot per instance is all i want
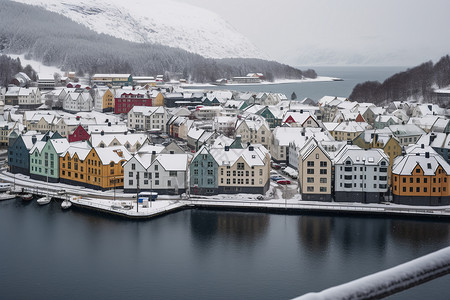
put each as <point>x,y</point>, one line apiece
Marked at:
<point>37,65</point>
<point>278,197</point>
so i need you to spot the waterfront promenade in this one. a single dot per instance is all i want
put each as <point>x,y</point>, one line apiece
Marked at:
<point>277,200</point>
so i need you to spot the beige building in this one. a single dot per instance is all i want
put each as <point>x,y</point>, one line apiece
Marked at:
<point>314,172</point>
<point>243,170</point>
<point>254,130</point>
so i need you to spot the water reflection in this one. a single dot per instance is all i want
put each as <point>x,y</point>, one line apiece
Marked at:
<point>361,234</point>
<point>315,233</point>
<point>239,227</point>
<point>417,233</point>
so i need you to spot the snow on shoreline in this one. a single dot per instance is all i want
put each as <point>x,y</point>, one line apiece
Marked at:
<point>280,81</point>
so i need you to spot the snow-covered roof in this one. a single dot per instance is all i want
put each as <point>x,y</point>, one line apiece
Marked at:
<point>416,155</point>
<point>252,158</point>
<point>112,154</point>
<point>173,162</point>
<point>107,139</point>
<point>350,126</point>
<point>79,150</point>
<point>360,156</point>
<point>434,139</point>
<point>406,130</point>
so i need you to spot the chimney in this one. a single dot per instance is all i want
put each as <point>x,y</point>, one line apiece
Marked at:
<point>109,124</point>
<point>301,111</point>
<point>227,148</point>
<point>251,148</point>
<point>427,154</point>
<point>153,155</point>
<point>34,139</point>
<point>422,146</point>
<point>102,133</point>
<point>432,137</point>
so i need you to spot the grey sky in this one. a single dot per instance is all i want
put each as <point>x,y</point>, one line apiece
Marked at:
<point>346,32</point>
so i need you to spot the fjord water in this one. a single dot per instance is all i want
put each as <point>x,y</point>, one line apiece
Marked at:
<point>47,253</point>
<point>315,90</point>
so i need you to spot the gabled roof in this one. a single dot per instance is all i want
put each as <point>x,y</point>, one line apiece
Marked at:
<point>252,158</point>
<point>416,155</point>
<point>360,156</point>
<point>172,162</point>
<point>112,154</point>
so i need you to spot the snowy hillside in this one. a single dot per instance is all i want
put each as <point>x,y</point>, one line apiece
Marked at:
<point>165,22</point>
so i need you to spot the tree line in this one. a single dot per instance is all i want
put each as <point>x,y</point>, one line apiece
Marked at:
<point>416,84</point>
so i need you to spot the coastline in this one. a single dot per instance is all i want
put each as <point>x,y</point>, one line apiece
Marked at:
<point>264,83</point>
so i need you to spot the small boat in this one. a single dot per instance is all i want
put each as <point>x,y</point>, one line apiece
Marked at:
<point>7,196</point>
<point>44,200</point>
<point>26,196</point>
<point>66,204</point>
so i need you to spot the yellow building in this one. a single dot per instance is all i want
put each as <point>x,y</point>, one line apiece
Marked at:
<point>72,165</point>
<point>98,168</point>
<point>421,177</point>
<point>157,98</point>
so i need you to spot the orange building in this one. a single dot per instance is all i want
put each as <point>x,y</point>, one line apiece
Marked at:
<point>421,177</point>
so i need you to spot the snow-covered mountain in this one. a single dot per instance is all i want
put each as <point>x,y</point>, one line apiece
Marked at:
<point>164,22</point>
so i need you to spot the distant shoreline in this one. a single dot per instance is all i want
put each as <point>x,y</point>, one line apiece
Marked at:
<point>281,81</point>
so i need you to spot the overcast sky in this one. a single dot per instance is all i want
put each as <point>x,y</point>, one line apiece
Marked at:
<point>345,32</point>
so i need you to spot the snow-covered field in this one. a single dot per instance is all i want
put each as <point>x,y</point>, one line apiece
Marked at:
<point>36,65</point>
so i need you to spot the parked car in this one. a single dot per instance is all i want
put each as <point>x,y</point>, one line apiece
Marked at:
<point>283,181</point>
<point>276,166</point>
<point>277,177</point>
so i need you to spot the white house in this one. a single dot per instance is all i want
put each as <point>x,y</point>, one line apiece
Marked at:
<point>361,175</point>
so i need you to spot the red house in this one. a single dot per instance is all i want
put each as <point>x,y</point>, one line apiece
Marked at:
<point>128,99</point>
<point>79,134</point>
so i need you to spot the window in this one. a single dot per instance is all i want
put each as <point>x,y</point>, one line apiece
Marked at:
<point>310,180</point>
<point>323,164</point>
<point>417,170</point>
<point>310,189</point>
<point>323,180</point>
<point>210,164</point>
<point>418,180</point>
<point>156,167</point>
<point>130,174</point>
<point>130,182</point>
<point>404,189</point>
<point>309,171</point>
<point>411,180</point>
<point>310,164</point>
<point>323,171</point>
<point>317,155</point>
<point>240,166</point>
<point>260,172</point>
<point>172,173</point>
<point>156,175</point>
<point>410,189</point>
<point>323,189</point>
<point>169,183</point>
<point>404,179</point>
<point>383,170</point>
<point>418,190</point>
<point>156,182</point>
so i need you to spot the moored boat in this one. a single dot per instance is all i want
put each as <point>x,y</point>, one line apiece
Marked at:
<point>7,196</point>
<point>44,200</point>
<point>66,204</point>
<point>26,196</point>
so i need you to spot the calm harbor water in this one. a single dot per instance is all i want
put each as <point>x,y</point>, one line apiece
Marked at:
<point>47,253</point>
